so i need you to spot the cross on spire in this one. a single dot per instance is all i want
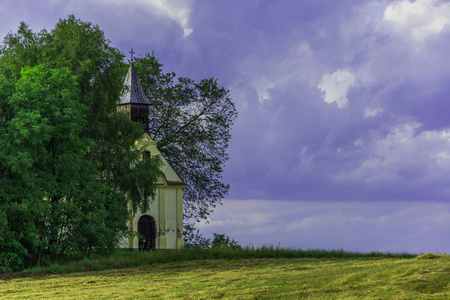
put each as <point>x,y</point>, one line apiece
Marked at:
<point>132,52</point>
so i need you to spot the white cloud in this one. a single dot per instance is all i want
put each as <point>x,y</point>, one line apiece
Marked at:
<point>354,226</point>
<point>310,223</point>
<point>404,156</point>
<point>178,11</point>
<point>262,87</point>
<point>420,18</point>
<point>442,158</point>
<point>336,85</point>
<point>173,9</point>
<point>278,69</point>
<point>372,111</point>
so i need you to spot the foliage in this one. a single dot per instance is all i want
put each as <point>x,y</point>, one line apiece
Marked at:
<point>193,238</point>
<point>222,240</point>
<point>68,164</point>
<point>69,167</point>
<point>12,254</point>
<point>51,194</point>
<point>191,122</point>
<point>123,259</point>
<point>196,240</point>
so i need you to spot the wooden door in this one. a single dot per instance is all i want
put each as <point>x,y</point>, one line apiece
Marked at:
<point>147,229</point>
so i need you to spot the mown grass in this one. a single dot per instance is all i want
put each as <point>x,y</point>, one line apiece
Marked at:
<point>126,259</point>
<point>332,277</point>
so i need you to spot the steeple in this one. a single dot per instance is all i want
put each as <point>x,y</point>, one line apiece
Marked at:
<point>132,91</point>
<point>132,99</point>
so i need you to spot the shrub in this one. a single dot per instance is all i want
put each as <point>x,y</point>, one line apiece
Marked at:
<point>222,240</point>
<point>55,268</point>
<point>13,253</point>
<point>194,239</point>
<point>87,262</point>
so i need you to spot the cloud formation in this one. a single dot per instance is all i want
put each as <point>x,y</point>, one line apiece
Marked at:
<point>353,226</point>
<point>339,101</point>
<point>419,19</point>
<point>336,100</point>
<point>386,85</point>
<point>336,85</point>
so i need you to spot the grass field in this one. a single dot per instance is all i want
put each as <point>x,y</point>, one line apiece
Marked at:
<point>424,277</point>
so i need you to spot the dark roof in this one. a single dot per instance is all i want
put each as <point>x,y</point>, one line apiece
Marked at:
<point>132,91</point>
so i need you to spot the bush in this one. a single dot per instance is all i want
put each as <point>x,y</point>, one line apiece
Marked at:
<point>13,253</point>
<point>10,262</point>
<point>222,240</point>
<point>55,268</point>
<point>194,239</point>
<point>87,262</point>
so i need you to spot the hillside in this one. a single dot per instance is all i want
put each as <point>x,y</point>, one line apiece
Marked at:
<point>426,276</point>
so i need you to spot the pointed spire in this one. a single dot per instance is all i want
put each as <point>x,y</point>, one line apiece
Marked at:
<point>132,91</point>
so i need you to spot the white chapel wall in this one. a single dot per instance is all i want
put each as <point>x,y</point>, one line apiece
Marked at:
<point>171,218</point>
<point>153,211</point>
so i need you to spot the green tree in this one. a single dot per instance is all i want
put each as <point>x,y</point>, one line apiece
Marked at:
<point>191,122</point>
<point>13,253</point>
<point>69,165</point>
<point>99,69</point>
<point>50,192</point>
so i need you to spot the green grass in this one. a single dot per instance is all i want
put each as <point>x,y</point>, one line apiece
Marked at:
<point>321,275</point>
<point>126,259</point>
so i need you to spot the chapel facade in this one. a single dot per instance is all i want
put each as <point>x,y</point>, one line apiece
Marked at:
<point>161,226</point>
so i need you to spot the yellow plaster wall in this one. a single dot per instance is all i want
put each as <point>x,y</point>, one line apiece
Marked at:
<point>171,218</point>
<point>167,209</point>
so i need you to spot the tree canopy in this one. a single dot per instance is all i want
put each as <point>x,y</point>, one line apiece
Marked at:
<point>51,193</point>
<point>191,122</point>
<point>69,168</point>
<point>68,162</point>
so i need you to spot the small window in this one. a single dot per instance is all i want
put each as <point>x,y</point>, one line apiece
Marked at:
<point>146,154</point>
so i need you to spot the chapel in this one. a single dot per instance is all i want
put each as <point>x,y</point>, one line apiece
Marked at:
<point>161,227</point>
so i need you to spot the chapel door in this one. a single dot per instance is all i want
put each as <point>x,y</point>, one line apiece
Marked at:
<point>147,229</point>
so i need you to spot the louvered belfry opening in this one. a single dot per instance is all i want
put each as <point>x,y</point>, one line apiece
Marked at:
<point>136,112</point>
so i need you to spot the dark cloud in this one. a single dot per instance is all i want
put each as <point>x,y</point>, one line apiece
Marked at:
<point>338,100</point>
<point>378,70</point>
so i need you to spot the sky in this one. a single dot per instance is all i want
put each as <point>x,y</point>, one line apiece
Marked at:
<point>343,134</point>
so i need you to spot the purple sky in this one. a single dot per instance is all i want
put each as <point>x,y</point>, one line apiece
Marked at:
<point>343,134</point>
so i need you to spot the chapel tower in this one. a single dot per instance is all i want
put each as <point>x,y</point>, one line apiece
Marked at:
<point>161,226</point>
<point>132,100</point>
